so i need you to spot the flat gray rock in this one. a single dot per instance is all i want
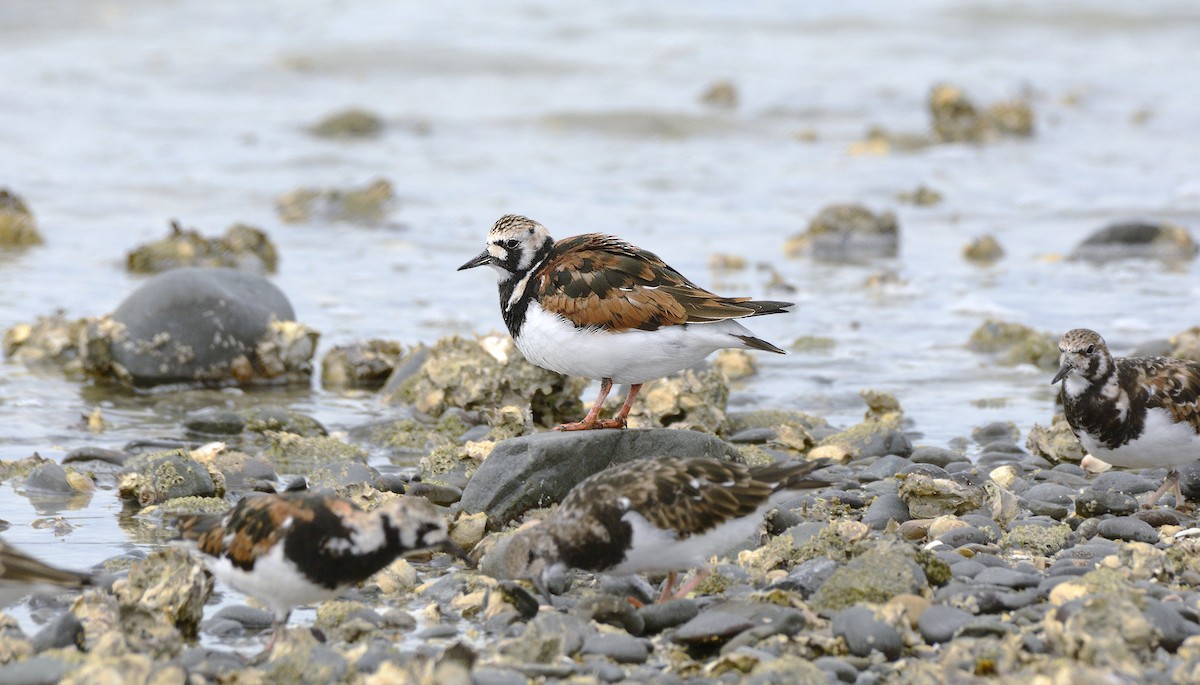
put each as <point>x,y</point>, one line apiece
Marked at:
<point>538,470</point>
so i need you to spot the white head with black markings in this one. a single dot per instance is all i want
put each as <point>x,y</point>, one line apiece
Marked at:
<point>1083,360</point>
<point>514,244</point>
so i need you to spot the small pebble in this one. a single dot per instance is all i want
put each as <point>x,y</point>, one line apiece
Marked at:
<point>940,622</point>
<point>1128,528</point>
<point>622,649</point>
<point>863,633</point>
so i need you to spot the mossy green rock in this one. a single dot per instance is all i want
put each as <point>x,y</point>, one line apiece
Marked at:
<point>875,576</point>
<point>1042,540</point>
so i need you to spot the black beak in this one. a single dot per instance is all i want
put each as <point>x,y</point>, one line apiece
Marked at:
<point>1062,372</point>
<point>453,549</point>
<point>479,260</point>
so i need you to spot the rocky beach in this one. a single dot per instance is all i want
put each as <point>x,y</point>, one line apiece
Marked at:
<point>228,241</point>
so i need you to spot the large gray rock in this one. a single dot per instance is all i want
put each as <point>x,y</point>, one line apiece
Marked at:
<point>197,325</point>
<point>1137,239</point>
<point>538,470</point>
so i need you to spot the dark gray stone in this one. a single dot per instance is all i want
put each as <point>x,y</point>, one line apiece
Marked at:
<point>341,474</point>
<point>940,622</point>
<point>1004,431</point>
<point>1159,517</point>
<point>1006,577</point>
<point>987,626</point>
<point>967,569</point>
<point>538,470</point>
<point>1052,509</point>
<point>190,324</point>
<point>658,617</point>
<point>938,456</point>
<point>883,467</point>
<point>808,576</point>
<point>1051,492</point>
<point>214,421</point>
<point>724,621</point>
<point>753,436</point>
<point>1128,528</point>
<point>170,475</point>
<point>622,649</point>
<point>491,675</point>
<point>1173,628</point>
<point>224,628</point>
<point>49,477</point>
<point>886,507</point>
<point>1100,502</point>
<point>971,535</point>
<point>863,633</point>
<point>839,668</point>
<point>1137,240</point>
<point>210,663</point>
<point>38,670</point>
<point>65,630</point>
<point>1123,481</point>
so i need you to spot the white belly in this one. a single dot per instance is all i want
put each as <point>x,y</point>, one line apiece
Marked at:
<point>1162,443</point>
<point>654,550</point>
<point>275,581</point>
<point>551,342</point>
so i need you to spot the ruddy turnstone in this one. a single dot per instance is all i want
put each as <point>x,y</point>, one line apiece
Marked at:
<point>296,548</point>
<point>21,575</point>
<point>664,514</point>
<point>595,306</point>
<point>1135,412</point>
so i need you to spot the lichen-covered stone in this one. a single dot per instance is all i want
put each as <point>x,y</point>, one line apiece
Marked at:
<point>170,582</point>
<point>984,250</point>
<point>368,204</point>
<point>1015,344</point>
<point>291,453</point>
<point>928,496</point>
<point>481,373</point>
<point>352,122</point>
<point>363,364</point>
<point>156,478</point>
<point>242,247</point>
<point>1056,442</point>
<point>685,400</point>
<point>877,575</point>
<point>1041,540</point>
<point>870,439</point>
<point>957,119</point>
<point>17,225</point>
<point>847,232</point>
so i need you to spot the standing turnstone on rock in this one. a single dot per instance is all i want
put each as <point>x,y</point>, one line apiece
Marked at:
<point>1135,412</point>
<point>21,575</point>
<point>296,548</point>
<point>654,515</point>
<point>595,306</point>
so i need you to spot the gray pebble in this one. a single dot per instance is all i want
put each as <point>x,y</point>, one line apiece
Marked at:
<point>622,649</point>
<point>49,477</point>
<point>940,622</point>
<point>958,537</point>
<point>938,456</point>
<point>658,617</point>
<point>1006,577</point>
<point>1159,517</point>
<point>1100,502</point>
<point>841,670</point>
<point>602,669</point>
<point>210,663</point>
<point>224,628</point>
<point>753,436</point>
<point>1051,492</point>
<point>883,467</point>
<point>996,430</point>
<point>863,633</point>
<point>39,670</point>
<point>808,576</point>
<point>1128,528</point>
<point>1123,481</point>
<point>1054,510</point>
<point>925,470</point>
<point>987,626</point>
<point>250,617</point>
<point>885,508</point>
<point>967,569</point>
<point>491,675</point>
<point>443,495</point>
<point>214,421</point>
<point>1172,627</point>
<point>65,630</point>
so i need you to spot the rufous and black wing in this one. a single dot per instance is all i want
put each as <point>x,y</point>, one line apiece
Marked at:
<point>597,280</point>
<point>1171,384</point>
<point>255,525</point>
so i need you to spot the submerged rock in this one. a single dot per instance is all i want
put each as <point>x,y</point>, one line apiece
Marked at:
<point>367,205</point>
<point>1015,344</point>
<point>1137,240</point>
<point>984,250</point>
<point>207,326</point>
<point>847,232</point>
<point>242,247</point>
<point>349,123</point>
<point>17,225</point>
<point>482,373</point>
<point>956,119</point>
<point>721,93</point>
<point>538,470</point>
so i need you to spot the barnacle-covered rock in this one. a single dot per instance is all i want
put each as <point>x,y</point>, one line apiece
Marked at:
<point>291,453</point>
<point>1056,442</point>
<point>481,373</point>
<point>242,247</point>
<point>1185,344</point>
<point>156,478</point>
<point>17,225</point>
<point>1015,344</point>
<point>367,205</point>
<point>363,364</point>
<point>49,340</point>
<point>928,496</point>
<point>685,400</point>
<point>353,122</point>
<point>870,439</point>
<point>204,326</point>
<point>847,232</point>
<point>957,119</point>
<point>169,581</point>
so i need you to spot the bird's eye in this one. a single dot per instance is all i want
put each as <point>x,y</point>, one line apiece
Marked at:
<point>510,243</point>
<point>1091,349</point>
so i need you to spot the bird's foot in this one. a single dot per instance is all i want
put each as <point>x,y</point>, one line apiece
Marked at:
<point>598,424</point>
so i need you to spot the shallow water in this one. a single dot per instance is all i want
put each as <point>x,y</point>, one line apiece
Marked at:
<point>122,116</point>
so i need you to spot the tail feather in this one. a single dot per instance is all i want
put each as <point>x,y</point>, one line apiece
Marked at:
<point>792,475</point>
<point>759,344</point>
<point>764,307</point>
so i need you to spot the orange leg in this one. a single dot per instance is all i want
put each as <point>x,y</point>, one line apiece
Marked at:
<point>1171,484</point>
<point>692,584</point>
<point>667,588</point>
<point>593,421</point>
